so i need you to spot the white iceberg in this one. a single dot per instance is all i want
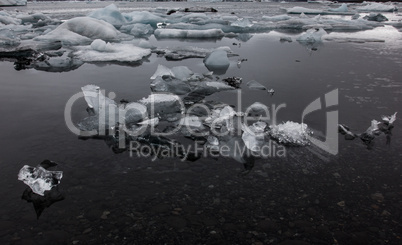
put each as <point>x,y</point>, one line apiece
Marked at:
<point>39,179</point>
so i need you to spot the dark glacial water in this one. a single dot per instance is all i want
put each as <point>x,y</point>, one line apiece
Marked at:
<point>353,197</point>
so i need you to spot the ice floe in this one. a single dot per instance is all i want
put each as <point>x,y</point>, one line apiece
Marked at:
<point>101,51</point>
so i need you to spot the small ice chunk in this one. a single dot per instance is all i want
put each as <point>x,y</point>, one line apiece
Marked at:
<point>212,140</point>
<point>276,18</point>
<point>257,109</point>
<point>242,22</point>
<point>375,17</point>
<point>389,119</point>
<point>312,35</point>
<point>285,39</point>
<point>101,46</point>
<point>373,129</point>
<point>39,179</point>
<point>217,60</point>
<point>291,133</point>
<point>342,8</point>
<point>162,71</point>
<point>253,136</point>
<point>254,85</point>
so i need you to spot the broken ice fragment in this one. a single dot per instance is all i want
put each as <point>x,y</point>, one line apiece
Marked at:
<point>375,17</point>
<point>291,133</point>
<point>253,136</point>
<point>233,81</point>
<point>39,179</point>
<point>343,129</point>
<point>162,71</point>
<point>257,109</point>
<point>312,35</point>
<point>389,119</point>
<point>212,140</point>
<point>254,85</point>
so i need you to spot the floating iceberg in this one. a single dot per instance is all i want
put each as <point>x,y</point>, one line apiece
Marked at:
<point>375,17</point>
<point>101,51</point>
<point>217,60</point>
<point>81,30</point>
<point>291,133</point>
<point>39,179</point>
<point>377,7</point>
<point>312,35</point>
